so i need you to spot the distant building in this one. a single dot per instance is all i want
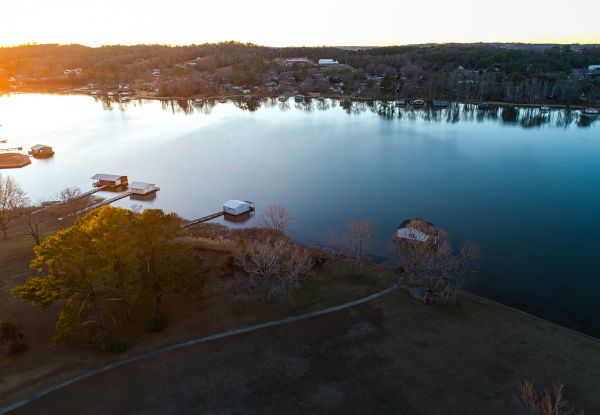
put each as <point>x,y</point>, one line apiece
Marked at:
<point>328,62</point>
<point>71,72</point>
<point>594,70</point>
<point>288,62</point>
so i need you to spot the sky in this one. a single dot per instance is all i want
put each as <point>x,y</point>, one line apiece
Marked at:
<point>298,23</point>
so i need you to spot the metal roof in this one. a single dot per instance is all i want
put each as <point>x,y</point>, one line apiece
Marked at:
<point>107,177</point>
<point>234,204</point>
<point>140,185</point>
<point>39,147</point>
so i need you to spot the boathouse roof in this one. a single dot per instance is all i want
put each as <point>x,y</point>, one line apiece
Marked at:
<point>234,204</point>
<point>140,185</point>
<point>106,177</point>
<point>38,147</point>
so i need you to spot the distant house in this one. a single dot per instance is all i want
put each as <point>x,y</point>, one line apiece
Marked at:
<point>41,151</point>
<point>416,230</point>
<point>328,62</point>
<point>594,70</point>
<point>440,103</point>
<point>73,72</point>
<point>293,61</point>
<point>110,180</point>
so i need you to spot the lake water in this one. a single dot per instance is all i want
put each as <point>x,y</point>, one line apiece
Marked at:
<point>524,186</point>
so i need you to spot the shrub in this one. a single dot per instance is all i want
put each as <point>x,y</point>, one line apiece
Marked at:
<point>110,343</point>
<point>159,323</point>
<point>11,338</point>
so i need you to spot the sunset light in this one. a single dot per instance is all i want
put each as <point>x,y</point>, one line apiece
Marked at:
<point>311,207</point>
<point>311,22</point>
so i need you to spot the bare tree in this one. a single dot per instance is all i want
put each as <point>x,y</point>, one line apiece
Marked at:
<point>275,217</point>
<point>545,403</point>
<point>275,264</point>
<point>68,194</point>
<point>416,247</point>
<point>12,199</point>
<point>359,237</point>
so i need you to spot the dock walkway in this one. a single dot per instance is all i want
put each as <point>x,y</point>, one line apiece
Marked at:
<point>91,192</point>
<point>104,202</point>
<point>203,219</point>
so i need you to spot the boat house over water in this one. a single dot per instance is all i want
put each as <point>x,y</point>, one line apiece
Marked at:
<point>141,188</point>
<point>109,180</point>
<point>41,151</point>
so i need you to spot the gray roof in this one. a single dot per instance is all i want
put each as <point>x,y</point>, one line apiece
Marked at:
<point>40,146</point>
<point>107,177</point>
<point>140,185</point>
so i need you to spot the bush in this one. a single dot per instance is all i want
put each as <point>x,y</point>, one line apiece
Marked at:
<point>159,323</point>
<point>11,338</point>
<point>110,343</point>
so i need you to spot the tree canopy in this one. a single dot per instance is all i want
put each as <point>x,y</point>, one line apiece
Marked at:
<point>109,265</point>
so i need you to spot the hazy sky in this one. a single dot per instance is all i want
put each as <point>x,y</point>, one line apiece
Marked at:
<point>307,22</point>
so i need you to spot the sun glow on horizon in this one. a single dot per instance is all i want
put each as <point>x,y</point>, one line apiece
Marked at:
<point>310,23</point>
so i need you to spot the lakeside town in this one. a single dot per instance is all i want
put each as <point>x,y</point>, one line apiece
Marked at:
<point>517,74</point>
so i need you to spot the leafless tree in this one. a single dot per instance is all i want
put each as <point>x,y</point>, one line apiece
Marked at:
<point>274,263</point>
<point>68,194</point>
<point>545,403</point>
<point>358,239</point>
<point>275,217</point>
<point>415,252</point>
<point>12,200</point>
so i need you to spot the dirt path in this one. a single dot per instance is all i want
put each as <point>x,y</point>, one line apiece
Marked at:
<point>200,340</point>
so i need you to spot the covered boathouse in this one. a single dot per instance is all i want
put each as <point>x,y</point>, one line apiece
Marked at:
<point>109,180</point>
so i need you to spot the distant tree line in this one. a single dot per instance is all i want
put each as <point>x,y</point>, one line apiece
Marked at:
<point>522,73</point>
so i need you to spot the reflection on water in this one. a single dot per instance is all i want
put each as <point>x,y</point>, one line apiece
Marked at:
<point>526,117</point>
<point>521,183</point>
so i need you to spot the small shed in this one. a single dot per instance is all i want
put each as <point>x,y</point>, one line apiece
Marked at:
<point>110,180</point>
<point>141,188</point>
<point>237,207</point>
<point>41,150</point>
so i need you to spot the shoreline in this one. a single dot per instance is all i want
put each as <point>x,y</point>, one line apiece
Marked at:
<point>142,95</point>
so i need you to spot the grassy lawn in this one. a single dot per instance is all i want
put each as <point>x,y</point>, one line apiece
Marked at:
<point>394,355</point>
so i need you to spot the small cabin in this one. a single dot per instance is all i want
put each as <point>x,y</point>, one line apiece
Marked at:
<point>109,180</point>
<point>141,188</point>
<point>237,207</point>
<point>41,150</point>
<point>416,230</point>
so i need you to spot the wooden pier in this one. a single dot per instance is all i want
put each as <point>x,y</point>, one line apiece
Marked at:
<point>90,192</point>
<point>104,202</point>
<point>203,219</point>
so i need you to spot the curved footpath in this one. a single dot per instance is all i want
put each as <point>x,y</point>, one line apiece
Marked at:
<point>200,340</point>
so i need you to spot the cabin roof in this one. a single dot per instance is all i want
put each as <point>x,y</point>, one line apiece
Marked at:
<point>106,177</point>
<point>234,204</point>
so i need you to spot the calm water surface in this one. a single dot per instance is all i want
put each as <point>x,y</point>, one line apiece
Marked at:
<point>525,186</point>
